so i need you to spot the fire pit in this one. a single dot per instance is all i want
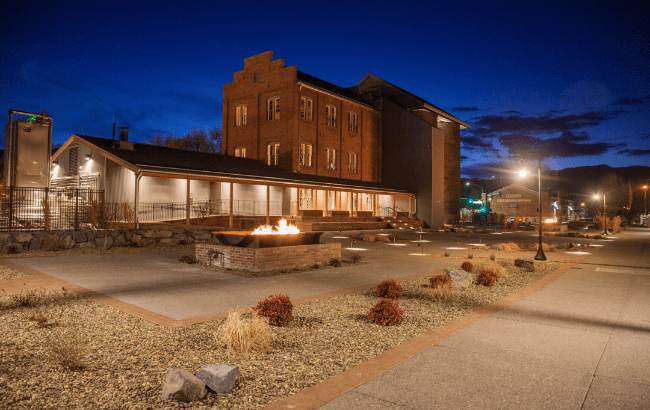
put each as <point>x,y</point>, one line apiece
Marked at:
<point>249,240</point>
<point>267,249</point>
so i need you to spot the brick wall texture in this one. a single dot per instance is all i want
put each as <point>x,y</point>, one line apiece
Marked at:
<point>268,259</point>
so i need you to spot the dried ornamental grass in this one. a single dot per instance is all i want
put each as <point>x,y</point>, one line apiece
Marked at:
<point>498,267</point>
<point>66,350</point>
<point>508,247</point>
<point>244,332</point>
<point>441,292</point>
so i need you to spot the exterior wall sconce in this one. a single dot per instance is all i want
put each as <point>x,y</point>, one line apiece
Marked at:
<point>89,157</point>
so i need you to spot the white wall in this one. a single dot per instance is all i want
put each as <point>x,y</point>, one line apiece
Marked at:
<point>120,183</point>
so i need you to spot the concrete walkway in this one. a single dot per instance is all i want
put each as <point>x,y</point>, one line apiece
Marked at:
<point>578,339</point>
<point>582,341</point>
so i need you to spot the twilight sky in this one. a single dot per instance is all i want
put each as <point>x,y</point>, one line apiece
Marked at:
<point>573,77</point>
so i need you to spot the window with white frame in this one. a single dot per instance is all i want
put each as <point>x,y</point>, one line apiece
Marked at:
<point>306,108</point>
<point>240,152</point>
<point>330,114</point>
<point>240,115</point>
<point>305,154</point>
<point>331,158</point>
<point>352,162</point>
<point>352,121</point>
<point>272,153</point>
<point>273,109</point>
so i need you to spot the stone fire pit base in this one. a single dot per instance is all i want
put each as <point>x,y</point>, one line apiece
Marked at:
<point>267,259</point>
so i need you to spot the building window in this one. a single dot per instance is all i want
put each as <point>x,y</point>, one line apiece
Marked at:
<point>272,153</point>
<point>306,108</point>
<point>370,200</point>
<point>240,115</point>
<point>273,109</point>
<point>256,76</point>
<point>305,198</point>
<point>331,158</point>
<point>330,113</point>
<point>305,154</point>
<point>240,152</point>
<point>352,162</point>
<point>352,121</point>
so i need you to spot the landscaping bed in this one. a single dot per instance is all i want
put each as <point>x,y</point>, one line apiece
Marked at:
<point>122,359</point>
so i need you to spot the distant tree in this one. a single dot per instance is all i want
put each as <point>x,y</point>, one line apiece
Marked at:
<point>198,140</point>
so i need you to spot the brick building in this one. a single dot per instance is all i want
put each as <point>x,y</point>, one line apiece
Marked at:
<point>374,132</point>
<point>518,201</point>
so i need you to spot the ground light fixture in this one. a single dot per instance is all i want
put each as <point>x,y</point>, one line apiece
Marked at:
<point>540,249</point>
<point>604,213</point>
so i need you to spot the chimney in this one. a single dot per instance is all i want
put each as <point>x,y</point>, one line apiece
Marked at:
<point>124,133</point>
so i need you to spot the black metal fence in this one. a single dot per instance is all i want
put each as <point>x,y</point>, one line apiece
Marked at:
<point>29,209</point>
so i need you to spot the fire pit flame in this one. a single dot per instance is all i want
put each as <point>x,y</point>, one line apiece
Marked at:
<point>282,229</point>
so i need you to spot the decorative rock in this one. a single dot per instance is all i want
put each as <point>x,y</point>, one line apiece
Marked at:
<point>181,385</point>
<point>459,277</point>
<point>105,242</point>
<point>136,238</point>
<point>23,237</point>
<point>86,245</point>
<point>79,236</point>
<point>161,234</point>
<point>202,235</point>
<point>4,237</point>
<point>67,242</point>
<point>119,240</point>
<point>219,377</point>
<point>34,244</point>
<point>524,263</point>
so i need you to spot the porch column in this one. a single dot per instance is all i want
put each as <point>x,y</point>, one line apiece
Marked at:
<point>394,210</point>
<point>268,204</point>
<point>187,202</point>
<point>231,221</point>
<point>136,207</point>
<point>410,206</point>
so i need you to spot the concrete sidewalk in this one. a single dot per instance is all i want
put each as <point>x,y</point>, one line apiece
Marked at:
<point>582,341</point>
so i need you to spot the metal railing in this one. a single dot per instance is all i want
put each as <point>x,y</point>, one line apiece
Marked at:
<point>28,209</point>
<point>170,211</point>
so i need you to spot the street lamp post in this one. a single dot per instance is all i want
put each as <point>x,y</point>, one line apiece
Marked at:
<point>645,199</point>
<point>604,214</point>
<point>540,248</point>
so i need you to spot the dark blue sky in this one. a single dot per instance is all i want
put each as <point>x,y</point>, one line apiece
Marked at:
<point>573,77</point>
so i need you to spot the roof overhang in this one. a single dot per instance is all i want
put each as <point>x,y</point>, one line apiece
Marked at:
<point>442,115</point>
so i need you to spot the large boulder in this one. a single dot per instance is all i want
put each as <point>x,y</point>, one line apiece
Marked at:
<point>522,263</point>
<point>219,377</point>
<point>23,237</point>
<point>460,278</point>
<point>181,385</point>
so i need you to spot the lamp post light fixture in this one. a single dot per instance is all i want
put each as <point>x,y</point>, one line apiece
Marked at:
<point>540,249</point>
<point>604,213</point>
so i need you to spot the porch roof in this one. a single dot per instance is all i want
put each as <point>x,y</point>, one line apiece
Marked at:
<point>175,163</point>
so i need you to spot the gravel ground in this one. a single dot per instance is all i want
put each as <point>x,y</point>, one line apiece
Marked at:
<point>8,273</point>
<point>124,359</point>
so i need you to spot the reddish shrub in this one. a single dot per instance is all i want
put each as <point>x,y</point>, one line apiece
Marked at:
<point>277,308</point>
<point>439,280</point>
<point>389,289</point>
<point>386,313</point>
<point>467,266</point>
<point>487,278</point>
